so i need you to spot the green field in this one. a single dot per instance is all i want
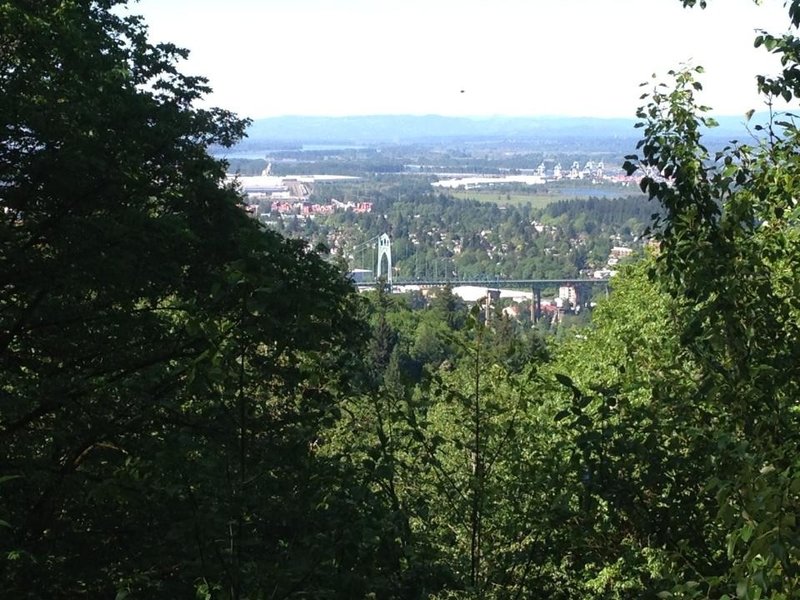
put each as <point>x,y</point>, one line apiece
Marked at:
<point>537,200</point>
<point>540,196</point>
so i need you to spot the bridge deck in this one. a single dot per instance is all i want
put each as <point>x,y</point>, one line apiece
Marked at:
<point>492,283</point>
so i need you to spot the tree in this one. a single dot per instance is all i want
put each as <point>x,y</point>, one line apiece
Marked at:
<point>728,246</point>
<point>165,363</point>
<point>640,442</point>
<point>449,308</point>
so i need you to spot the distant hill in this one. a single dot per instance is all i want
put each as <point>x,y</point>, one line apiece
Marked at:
<point>400,129</point>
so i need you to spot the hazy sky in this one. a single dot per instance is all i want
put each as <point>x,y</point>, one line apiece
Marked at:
<point>510,57</point>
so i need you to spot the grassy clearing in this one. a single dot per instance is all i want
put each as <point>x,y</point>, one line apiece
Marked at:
<point>539,196</point>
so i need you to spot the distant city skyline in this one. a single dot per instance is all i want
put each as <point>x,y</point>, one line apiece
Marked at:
<point>462,58</point>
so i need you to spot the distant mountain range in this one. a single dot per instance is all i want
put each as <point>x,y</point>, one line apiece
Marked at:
<point>402,129</point>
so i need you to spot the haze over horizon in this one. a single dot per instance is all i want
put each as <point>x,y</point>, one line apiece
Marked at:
<point>535,58</point>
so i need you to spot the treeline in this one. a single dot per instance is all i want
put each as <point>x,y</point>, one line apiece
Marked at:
<point>603,213</point>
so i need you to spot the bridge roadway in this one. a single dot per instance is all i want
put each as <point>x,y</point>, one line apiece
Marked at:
<point>490,282</point>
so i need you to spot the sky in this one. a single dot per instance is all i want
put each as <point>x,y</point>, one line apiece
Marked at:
<point>268,58</point>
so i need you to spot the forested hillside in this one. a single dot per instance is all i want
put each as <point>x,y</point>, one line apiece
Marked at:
<point>435,235</point>
<point>195,406</point>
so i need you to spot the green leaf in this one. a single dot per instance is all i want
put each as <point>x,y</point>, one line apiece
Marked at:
<point>747,532</point>
<point>741,589</point>
<point>564,380</point>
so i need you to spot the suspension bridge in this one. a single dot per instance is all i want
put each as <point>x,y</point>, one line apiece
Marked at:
<point>374,258</point>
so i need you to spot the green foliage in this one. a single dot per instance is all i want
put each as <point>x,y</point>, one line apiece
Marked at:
<point>194,406</point>
<point>728,247</point>
<point>460,464</point>
<point>641,455</point>
<point>437,236</point>
<point>166,364</point>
